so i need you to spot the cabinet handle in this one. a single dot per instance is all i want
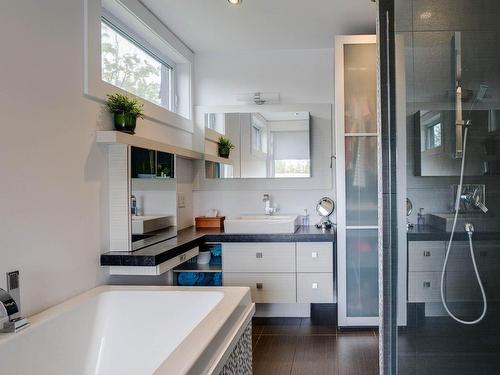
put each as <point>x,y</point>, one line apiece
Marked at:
<point>427,253</point>
<point>259,286</point>
<point>427,284</point>
<point>258,255</point>
<point>314,285</point>
<point>314,254</point>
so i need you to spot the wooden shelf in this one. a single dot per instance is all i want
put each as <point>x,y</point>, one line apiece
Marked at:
<point>218,159</point>
<point>116,137</point>
<point>195,267</point>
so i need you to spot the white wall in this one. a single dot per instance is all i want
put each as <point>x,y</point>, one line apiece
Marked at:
<point>300,76</point>
<point>53,193</point>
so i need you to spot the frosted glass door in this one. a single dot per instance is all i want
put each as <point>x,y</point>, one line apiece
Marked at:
<point>357,180</point>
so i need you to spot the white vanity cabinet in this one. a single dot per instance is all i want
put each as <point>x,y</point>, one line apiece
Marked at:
<point>425,264</point>
<point>281,272</point>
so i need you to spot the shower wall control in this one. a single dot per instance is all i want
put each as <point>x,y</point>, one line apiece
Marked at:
<point>472,198</point>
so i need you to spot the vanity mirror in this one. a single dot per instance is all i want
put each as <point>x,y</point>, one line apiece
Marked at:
<point>266,145</point>
<point>325,208</point>
<point>153,197</point>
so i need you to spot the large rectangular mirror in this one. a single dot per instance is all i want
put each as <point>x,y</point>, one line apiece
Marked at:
<point>266,145</point>
<point>435,143</point>
<point>153,199</point>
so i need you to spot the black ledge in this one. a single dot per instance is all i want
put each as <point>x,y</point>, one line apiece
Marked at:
<point>190,237</point>
<point>429,233</point>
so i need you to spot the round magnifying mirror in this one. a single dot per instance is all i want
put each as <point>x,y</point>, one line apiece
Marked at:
<point>325,208</point>
<point>409,207</point>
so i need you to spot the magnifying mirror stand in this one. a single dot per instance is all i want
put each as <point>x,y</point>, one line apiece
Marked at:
<point>325,223</point>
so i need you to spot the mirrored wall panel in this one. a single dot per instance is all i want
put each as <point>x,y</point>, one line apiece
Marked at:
<point>257,145</point>
<point>153,197</point>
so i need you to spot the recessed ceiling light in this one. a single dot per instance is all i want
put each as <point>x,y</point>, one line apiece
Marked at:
<point>235,2</point>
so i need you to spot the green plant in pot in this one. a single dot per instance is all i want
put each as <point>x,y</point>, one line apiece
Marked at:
<point>125,112</point>
<point>225,147</point>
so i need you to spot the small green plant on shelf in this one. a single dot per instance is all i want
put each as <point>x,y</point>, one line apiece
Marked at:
<point>125,111</point>
<point>225,147</point>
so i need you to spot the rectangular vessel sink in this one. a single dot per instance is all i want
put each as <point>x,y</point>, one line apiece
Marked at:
<point>150,223</point>
<point>481,222</point>
<point>255,224</point>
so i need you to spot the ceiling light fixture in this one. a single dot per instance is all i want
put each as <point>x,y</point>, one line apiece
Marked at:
<point>235,2</point>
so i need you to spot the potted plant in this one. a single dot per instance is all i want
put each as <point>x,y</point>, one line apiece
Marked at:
<point>225,147</point>
<point>125,112</point>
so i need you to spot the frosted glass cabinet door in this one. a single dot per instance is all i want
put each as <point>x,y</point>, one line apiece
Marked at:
<point>360,88</point>
<point>362,272</point>
<point>361,181</point>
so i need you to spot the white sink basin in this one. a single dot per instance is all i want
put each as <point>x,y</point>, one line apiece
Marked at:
<point>149,223</point>
<point>256,224</point>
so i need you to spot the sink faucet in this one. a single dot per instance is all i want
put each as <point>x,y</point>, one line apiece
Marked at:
<point>268,209</point>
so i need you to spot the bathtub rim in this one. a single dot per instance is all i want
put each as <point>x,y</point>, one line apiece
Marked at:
<point>232,313</point>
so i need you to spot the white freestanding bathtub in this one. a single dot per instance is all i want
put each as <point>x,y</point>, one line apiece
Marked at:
<point>133,330</point>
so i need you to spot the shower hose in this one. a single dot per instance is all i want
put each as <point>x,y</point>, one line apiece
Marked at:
<point>471,248</point>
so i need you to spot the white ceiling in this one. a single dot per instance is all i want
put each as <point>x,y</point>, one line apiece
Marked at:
<point>209,25</point>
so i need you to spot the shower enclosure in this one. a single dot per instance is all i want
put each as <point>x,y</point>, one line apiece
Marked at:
<point>440,126</point>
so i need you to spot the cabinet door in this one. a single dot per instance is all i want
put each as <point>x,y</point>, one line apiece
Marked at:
<point>258,257</point>
<point>314,257</point>
<point>265,287</point>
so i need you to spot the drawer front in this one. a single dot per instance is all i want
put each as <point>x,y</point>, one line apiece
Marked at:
<point>265,287</point>
<point>315,288</point>
<point>424,286</point>
<point>426,256</point>
<point>258,257</point>
<point>315,257</point>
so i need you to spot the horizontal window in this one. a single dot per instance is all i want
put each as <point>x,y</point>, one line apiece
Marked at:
<point>127,64</point>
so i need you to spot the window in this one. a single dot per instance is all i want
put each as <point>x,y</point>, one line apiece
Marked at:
<point>292,168</point>
<point>256,138</point>
<point>434,136</point>
<point>131,66</point>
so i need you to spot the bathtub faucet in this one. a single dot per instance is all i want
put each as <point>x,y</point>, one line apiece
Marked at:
<point>8,314</point>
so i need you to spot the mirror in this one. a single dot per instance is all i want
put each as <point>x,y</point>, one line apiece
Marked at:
<point>434,143</point>
<point>409,207</point>
<point>153,199</point>
<point>325,208</point>
<point>266,145</point>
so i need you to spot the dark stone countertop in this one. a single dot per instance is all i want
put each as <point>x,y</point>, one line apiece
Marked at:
<point>429,233</point>
<point>191,237</point>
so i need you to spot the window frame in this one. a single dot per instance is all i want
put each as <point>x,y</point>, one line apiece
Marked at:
<point>140,19</point>
<point>167,65</point>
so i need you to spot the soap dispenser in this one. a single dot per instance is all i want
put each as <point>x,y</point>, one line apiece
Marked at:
<point>305,218</point>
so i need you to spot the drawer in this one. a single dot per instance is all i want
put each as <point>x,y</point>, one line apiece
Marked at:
<point>315,288</point>
<point>265,287</point>
<point>426,256</point>
<point>314,257</point>
<point>258,257</point>
<point>424,286</point>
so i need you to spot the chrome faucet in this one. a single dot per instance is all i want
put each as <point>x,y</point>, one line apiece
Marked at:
<point>8,312</point>
<point>10,316</point>
<point>133,205</point>
<point>268,209</point>
<point>474,197</point>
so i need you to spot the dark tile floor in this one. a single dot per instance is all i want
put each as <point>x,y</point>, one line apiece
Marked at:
<point>312,346</point>
<point>439,345</point>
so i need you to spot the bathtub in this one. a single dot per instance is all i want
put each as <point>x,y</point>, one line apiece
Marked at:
<point>134,330</point>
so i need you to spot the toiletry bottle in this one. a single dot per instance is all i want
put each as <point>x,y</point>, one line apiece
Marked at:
<point>305,218</point>
<point>420,217</point>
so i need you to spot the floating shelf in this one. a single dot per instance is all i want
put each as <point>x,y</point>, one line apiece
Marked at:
<point>116,137</point>
<point>195,267</point>
<point>218,159</point>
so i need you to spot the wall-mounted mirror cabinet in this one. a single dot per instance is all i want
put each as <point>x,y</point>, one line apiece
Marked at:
<point>266,145</point>
<point>435,143</point>
<point>153,197</point>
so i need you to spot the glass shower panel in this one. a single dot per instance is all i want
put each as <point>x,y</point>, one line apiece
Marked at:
<point>361,180</point>
<point>362,272</point>
<point>360,88</point>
